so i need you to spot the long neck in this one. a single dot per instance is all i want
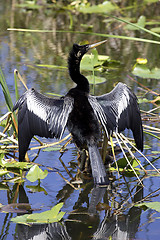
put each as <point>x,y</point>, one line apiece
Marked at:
<point>74,71</point>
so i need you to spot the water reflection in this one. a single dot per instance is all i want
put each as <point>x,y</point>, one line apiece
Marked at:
<point>56,231</point>
<point>85,222</point>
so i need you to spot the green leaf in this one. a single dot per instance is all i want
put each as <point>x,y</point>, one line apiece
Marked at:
<point>140,23</point>
<point>144,72</point>
<point>90,61</point>
<point>155,152</point>
<point>153,205</point>
<point>29,5</point>
<point>122,163</point>
<point>50,216</point>
<point>36,173</point>
<point>95,79</point>
<point>15,164</point>
<point>50,149</point>
<point>105,7</point>
<point>138,27</point>
<point>156,29</point>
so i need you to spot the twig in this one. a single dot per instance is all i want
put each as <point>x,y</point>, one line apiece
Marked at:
<point>67,181</point>
<point>127,158</point>
<point>132,155</point>
<point>70,175</point>
<point>21,79</point>
<point>5,115</point>
<point>9,138</point>
<point>143,86</point>
<point>51,144</point>
<point>144,157</point>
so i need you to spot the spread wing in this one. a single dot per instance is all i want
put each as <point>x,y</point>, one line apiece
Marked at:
<point>42,116</point>
<point>121,111</point>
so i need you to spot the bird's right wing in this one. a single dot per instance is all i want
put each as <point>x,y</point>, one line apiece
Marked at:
<point>42,116</point>
<point>118,110</point>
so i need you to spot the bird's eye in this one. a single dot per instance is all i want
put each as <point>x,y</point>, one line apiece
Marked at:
<point>78,53</point>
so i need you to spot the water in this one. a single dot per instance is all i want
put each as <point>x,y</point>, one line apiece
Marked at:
<point>23,51</point>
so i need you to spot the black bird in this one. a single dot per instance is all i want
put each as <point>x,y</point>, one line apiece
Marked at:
<point>81,113</point>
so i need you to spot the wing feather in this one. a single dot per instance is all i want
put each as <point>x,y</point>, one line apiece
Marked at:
<point>121,111</point>
<point>42,116</point>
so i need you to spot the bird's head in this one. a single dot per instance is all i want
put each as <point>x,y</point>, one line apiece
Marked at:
<point>80,50</point>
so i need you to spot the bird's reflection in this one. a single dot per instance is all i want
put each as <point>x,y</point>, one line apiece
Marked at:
<point>86,222</point>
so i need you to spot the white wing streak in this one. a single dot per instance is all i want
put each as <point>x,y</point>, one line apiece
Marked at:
<point>48,112</point>
<point>122,111</point>
<point>98,110</point>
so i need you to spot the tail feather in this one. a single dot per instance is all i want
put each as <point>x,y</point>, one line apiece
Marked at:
<point>98,170</point>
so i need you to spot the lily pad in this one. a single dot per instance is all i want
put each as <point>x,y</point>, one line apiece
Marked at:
<point>49,216</point>
<point>91,61</point>
<point>140,23</point>
<point>153,205</point>
<point>51,149</point>
<point>35,173</point>
<point>95,79</point>
<point>105,7</point>
<point>144,72</point>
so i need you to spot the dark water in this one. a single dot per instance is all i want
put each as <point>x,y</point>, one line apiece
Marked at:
<point>23,51</point>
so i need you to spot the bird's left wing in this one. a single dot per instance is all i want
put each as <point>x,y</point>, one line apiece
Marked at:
<point>42,116</point>
<point>118,110</point>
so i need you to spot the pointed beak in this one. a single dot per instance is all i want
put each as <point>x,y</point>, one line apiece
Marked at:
<point>96,44</point>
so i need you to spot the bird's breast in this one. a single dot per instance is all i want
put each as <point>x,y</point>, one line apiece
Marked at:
<point>82,122</point>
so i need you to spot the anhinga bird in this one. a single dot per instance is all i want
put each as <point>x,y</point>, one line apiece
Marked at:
<point>81,113</point>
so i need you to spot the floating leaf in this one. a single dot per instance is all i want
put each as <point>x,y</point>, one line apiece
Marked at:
<point>50,149</point>
<point>156,152</point>
<point>156,29</point>
<point>140,23</point>
<point>152,205</point>
<point>122,162</point>
<point>111,64</point>
<point>29,5</point>
<point>36,173</point>
<point>50,216</point>
<point>105,7</point>
<point>90,61</point>
<point>144,72</point>
<point>95,79</point>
